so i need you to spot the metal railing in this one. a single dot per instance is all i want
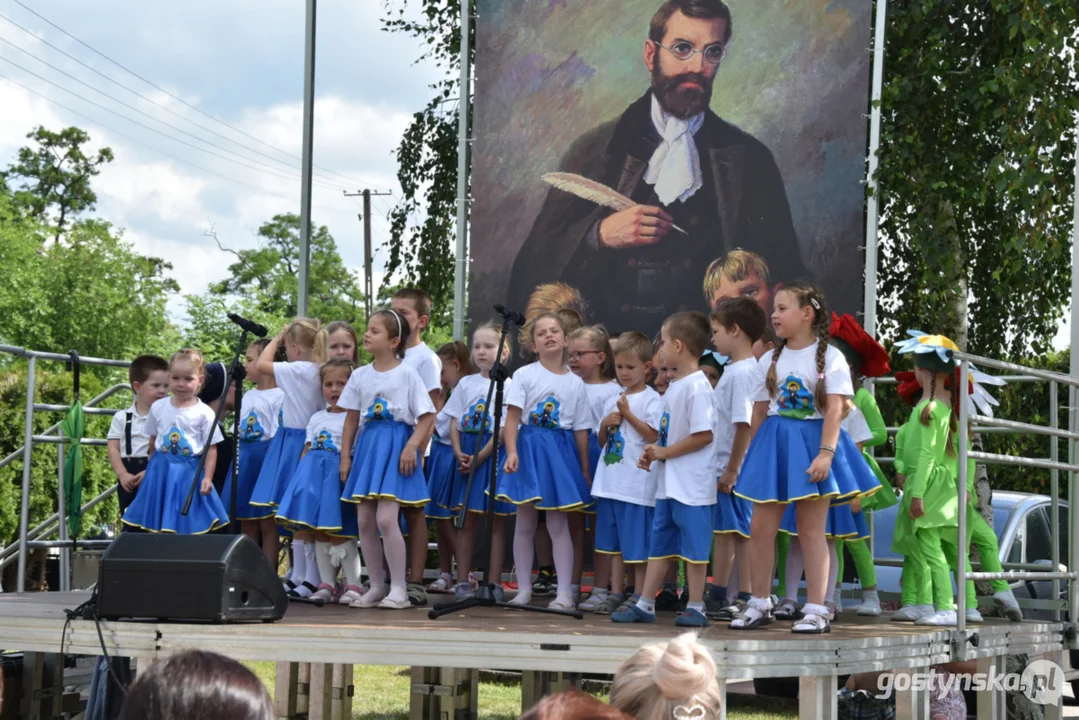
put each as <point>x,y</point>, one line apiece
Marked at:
<point>1052,463</point>
<point>29,438</point>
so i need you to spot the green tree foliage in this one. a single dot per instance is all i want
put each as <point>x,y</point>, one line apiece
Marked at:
<point>977,170</point>
<point>52,181</point>
<point>268,274</point>
<point>423,223</point>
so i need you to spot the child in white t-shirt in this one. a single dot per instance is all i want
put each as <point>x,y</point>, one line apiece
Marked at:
<point>179,428</point>
<point>686,491</point>
<point>737,323</point>
<point>625,494</point>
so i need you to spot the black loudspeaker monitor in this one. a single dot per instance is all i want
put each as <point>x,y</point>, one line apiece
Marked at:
<point>207,578</point>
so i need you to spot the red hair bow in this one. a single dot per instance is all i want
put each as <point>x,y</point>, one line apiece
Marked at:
<point>875,359</point>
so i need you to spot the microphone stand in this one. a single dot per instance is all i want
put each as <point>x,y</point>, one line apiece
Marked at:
<point>235,374</point>
<point>484,595</point>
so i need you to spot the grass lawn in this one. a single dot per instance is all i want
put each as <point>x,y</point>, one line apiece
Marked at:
<point>382,693</point>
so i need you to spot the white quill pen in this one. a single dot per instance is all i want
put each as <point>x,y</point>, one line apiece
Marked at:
<point>593,191</point>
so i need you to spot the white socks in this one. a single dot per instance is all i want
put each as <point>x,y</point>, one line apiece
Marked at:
<point>562,546</point>
<point>350,564</point>
<point>327,575</point>
<point>649,606</point>
<point>299,561</point>
<point>312,576</point>
<point>523,548</point>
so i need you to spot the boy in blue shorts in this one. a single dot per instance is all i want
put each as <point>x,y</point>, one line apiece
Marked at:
<point>625,494</point>
<point>686,480</point>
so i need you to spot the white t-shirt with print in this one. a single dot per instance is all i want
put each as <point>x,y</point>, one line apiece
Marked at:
<point>598,396</point>
<point>688,408</point>
<point>140,440</point>
<point>181,431</point>
<point>734,404</point>
<point>324,430</point>
<point>549,400</point>
<point>617,475</point>
<point>856,426</point>
<point>396,394</point>
<point>466,404</point>
<point>796,381</point>
<point>260,412</point>
<point>300,383</point>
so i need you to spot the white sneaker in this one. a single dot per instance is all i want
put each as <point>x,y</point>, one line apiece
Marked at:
<point>941,618</point>
<point>1006,600</point>
<point>973,616</point>
<point>911,613</point>
<point>593,602</point>
<point>869,608</point>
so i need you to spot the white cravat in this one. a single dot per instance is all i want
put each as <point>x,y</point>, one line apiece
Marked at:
<point>675,167</point>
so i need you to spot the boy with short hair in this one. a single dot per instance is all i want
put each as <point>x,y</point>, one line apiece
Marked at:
<point>686,484</point>
<point>737,323</point>
<point>415,306</point>
<point>128,443</point>
<point>625,494</point>
<point>739,273</point>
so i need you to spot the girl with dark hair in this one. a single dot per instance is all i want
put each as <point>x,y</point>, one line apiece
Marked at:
<point>197,684</point>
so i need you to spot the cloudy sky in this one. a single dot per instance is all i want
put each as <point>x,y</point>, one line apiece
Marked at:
<point>240,62</point>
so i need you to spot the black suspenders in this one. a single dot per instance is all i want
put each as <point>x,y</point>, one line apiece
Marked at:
<point>127,433</point>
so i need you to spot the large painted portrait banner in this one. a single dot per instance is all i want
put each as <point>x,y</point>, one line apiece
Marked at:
<point>659,156</point>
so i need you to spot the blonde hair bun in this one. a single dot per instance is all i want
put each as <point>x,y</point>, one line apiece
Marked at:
<point>685,668</point>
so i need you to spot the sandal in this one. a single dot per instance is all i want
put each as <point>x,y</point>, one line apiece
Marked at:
<point>324,593</point>
<point>758,613</point>
<point>557,604</point>
<point>814,621</point>
<point>442,585</point>
<point>350,595</point>
<point>610,604</point>
<point>309,586</point>
<point>788,610</point>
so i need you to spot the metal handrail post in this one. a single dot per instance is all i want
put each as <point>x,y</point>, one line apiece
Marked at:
<point>61,511</point>
<point>47,528</point>
<point>1054,488</point>
<point>1073,509</point>
<point>964,547</point>
<point>28,444</point>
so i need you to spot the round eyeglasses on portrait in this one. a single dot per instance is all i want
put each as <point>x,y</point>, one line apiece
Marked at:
<point>684,50</point>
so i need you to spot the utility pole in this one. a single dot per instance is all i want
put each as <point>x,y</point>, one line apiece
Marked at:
<point>368,271</point>
<point>307,160</point>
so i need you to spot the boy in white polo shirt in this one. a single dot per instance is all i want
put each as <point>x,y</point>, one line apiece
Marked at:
<point>686,487</point>
<point>128,444</point>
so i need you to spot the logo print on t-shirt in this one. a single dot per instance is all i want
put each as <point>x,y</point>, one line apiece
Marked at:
<point>175,443</point>
<point>613,451</point>
<point>664,424</point>
<point>251,429</point>
<point>794,400</point>
<point>473,419</point>
<point>546,414</point>
<point>379,410</point>
<point>324,441</point>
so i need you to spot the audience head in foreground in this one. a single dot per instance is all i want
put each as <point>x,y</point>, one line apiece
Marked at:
<point>572,705</point>
<point>197,684</point>
<point>668,679</point>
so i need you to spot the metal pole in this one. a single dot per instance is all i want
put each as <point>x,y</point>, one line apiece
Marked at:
<point>307,159</point>
<point>869,319</point>
<point>61,511</point>
<point>1073,398</point>
<point>461,265</point>
<point>1054,487</point>
<point>28,443</point>
<point>368,281</point>
<point>961,536</point>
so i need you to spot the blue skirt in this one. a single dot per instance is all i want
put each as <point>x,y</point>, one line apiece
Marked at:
<point>732,514</point>
<point>161,498</point>
<point>376,467</point>
<point>549,472</point>
<point>313,498</point>
<point>282,457</point>
<point>252,455</point>
<point>481,479</point>
<point>774,469</point>
<point>841,523</point>
<point>440,470</point>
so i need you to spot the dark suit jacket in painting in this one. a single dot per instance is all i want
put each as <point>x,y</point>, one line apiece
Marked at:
<point>742,203</point>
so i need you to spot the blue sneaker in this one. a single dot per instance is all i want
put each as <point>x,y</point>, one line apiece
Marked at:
<point>691,618</point>
<point>633,614</point>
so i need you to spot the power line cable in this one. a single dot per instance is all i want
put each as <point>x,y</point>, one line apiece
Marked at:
<point>143,97</point>
<point>270,169</point>
<point>173,96</point>
<point>272,172</point>
<point>156,149</point>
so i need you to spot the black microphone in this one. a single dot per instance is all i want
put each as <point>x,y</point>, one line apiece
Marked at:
<point>252,327</point>
<point>511,316</point>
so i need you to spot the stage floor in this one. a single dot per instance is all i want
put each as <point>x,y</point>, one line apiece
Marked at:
<point>497,639</point>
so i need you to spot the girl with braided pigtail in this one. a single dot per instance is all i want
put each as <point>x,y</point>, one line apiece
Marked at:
<point>799,453</point>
